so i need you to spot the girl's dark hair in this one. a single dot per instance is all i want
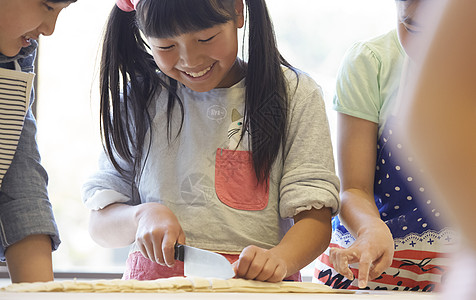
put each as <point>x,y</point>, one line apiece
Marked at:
<point>128,68</point>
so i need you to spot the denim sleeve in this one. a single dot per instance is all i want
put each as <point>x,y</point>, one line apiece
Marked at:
<point>24,205</point>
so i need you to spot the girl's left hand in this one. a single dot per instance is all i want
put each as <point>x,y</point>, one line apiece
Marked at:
<point>260,264</point>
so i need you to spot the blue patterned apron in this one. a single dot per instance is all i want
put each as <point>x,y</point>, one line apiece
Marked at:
<point>421,240</point>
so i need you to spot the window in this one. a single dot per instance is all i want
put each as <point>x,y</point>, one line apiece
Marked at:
<point>312,35</point>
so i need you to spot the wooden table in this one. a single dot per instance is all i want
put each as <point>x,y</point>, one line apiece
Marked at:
<point>361,295</point>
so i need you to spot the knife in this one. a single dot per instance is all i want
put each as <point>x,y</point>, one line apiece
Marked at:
<point>203,263</point>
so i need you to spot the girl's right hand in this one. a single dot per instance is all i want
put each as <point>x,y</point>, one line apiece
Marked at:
<point>158,230</point>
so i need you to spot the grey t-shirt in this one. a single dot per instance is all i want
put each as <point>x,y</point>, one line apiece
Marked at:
<point>210,187</point>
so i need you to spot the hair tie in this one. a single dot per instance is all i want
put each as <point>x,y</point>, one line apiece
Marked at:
<point>127,5</point>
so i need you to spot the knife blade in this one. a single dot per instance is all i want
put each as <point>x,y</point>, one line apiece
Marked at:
<point>203,263</point>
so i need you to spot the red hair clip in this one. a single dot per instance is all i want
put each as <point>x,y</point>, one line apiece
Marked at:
<point>127,5</point>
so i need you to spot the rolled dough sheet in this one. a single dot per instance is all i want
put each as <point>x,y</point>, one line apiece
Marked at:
<point>172,285</point>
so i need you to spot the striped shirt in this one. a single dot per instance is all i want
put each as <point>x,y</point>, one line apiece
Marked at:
<point>15,89</point>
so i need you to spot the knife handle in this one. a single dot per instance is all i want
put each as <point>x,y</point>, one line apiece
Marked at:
<point>179,252</point>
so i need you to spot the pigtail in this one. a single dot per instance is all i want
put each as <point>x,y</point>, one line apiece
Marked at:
<point>266,90</point>
<point>125,59</point>
<point>128,68</point>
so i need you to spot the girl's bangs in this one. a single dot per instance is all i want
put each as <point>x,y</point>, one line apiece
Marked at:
<point>167,18</point>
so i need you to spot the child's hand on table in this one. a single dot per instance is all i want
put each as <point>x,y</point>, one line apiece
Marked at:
<point>372,250</point>
<point>260,264</point>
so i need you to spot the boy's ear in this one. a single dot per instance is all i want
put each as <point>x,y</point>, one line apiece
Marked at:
<point>239,10</point>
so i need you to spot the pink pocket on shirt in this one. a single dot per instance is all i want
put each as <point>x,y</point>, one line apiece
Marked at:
<point>235,181</point>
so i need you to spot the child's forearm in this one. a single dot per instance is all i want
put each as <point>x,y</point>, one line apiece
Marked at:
<point>114,226</point>
<point>306,240</point>
<point>358,211</point>
<point>29,260</point>
<point>153,227</point>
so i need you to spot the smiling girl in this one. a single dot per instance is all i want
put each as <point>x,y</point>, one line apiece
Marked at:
<point>171,172</point>
<point>29,231</point>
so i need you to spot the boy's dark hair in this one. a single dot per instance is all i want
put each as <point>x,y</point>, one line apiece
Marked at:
<point>127,67</point>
